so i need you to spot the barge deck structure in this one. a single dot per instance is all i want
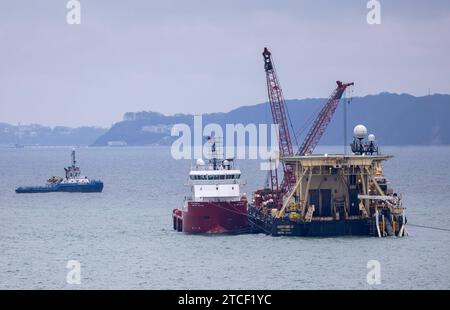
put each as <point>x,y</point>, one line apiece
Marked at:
<point>324,195</point>
<point>333,195</point>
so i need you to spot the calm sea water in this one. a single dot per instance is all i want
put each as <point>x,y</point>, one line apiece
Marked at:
<point>124,240</point>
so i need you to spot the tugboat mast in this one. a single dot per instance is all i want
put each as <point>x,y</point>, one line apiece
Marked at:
<point>72,155</point>
<point>74,162</point>
<point>72,172</point>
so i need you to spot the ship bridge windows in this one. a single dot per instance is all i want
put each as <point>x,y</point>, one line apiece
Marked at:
<point>233,176</point>
<point>201,177</point>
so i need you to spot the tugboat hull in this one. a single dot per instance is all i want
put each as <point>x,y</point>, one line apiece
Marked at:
<point>212,218</point>
<point>91,187</point>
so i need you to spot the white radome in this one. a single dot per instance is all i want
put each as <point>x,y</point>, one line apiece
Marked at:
<point>200,162</point>
<point>360,132</point>
<point>371,138</point>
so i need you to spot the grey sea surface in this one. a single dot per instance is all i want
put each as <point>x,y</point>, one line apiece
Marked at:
<point>123,237</point>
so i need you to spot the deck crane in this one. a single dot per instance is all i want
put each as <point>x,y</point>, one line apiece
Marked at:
<point>278,107</point>
<point>320,124</point>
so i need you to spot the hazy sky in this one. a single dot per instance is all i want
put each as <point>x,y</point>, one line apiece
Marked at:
<point>197,56</point>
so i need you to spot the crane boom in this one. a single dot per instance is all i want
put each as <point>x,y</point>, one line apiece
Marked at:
<point>320,124</point>
<point>278,107</point>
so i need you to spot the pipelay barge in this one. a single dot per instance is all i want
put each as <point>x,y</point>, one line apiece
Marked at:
<point>326,194</point>
<point>333,195</point>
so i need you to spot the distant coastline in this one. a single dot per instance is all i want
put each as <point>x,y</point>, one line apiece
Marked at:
<point>39,135</point>
<point>396,119</point>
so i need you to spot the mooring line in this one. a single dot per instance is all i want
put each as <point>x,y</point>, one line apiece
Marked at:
<point>250,218</point>
<point>429,227</point>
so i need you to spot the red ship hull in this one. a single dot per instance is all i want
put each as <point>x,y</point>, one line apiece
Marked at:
<point>212,218</point>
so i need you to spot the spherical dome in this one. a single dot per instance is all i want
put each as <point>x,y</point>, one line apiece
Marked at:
<point>226,162</point>
<point>371,138</point>
<point>200,162</point>
<point>360,131</point>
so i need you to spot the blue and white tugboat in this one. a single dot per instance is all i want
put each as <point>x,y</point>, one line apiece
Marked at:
<point>73,182</point>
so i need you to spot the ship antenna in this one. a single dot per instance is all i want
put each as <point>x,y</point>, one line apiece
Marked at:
<point>74,162</point>
<point>213,151</point>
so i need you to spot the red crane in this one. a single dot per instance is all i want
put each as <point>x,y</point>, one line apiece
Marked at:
<point>320,124</point>
<point>278,107</point>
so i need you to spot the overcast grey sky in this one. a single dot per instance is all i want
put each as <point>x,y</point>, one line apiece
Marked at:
<point>195,56</point>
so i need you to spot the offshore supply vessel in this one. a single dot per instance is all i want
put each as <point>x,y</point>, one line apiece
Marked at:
<point>324,194</point>
<point>72,182</point>
<point>217,205</point>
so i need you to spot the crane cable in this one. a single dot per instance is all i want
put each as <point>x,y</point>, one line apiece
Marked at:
<point>285,104</point>
<point>292,127</point>
<point>249,218</point>
<point>311,119</point>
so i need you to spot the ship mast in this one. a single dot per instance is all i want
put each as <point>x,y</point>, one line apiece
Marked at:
<point>72,171</point>
<point>74,162</point>
<point>214,155</point>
